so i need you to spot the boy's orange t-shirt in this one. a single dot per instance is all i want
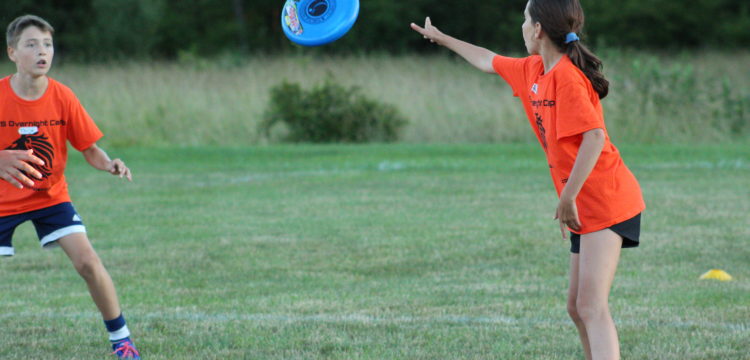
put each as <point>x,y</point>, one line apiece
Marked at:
<point>43,125</point>
<point>562,105</point>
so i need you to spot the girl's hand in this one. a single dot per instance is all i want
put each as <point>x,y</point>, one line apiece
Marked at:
<point>567,215</point>
<point>117,167</point>
<point>428,32</point>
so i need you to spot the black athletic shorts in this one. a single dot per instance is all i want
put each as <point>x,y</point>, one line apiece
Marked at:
<point>630,230</point>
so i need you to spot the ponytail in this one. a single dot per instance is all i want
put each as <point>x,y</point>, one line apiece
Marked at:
<point>590,65</point>
<point>561,19</point>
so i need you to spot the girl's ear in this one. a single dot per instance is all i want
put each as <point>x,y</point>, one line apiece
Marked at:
<point>10,54</point>
<point>538,31</point>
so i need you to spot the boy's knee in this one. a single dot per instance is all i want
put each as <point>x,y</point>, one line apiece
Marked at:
<point>88,265</point>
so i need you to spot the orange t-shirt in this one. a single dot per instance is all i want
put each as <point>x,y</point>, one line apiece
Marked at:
<point>561,106</point>
<point>43,125</point>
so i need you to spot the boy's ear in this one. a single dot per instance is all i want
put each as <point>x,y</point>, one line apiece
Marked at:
<point>11,54</point>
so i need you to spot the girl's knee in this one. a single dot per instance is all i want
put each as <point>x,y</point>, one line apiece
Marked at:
<point>573,310</point>
<point>590,310</point>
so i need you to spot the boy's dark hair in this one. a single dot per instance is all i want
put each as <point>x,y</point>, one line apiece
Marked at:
<point>17,26</point>
<point>560,17</point>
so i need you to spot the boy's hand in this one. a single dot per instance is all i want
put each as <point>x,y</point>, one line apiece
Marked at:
<point>428,32</point>
<point>14,165</point>
<point>117,167</point>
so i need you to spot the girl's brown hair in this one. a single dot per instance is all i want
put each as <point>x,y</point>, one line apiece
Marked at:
<point>559,18</point>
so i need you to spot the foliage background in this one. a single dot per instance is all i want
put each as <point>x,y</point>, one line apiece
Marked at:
<point>97,30</point>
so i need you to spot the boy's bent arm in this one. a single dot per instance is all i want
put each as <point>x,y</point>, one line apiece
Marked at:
<point>99,159</point>
<point>479,57</point>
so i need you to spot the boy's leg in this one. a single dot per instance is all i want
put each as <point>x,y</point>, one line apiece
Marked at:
<point>572,309</point>
<point>60,225</point>
<point>85,260</point>
<point>600,253</point>
<point>89,266</point>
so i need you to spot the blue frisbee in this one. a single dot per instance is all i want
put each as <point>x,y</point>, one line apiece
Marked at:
<point>318,22</point>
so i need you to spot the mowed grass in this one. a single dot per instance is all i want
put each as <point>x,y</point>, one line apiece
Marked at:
<point>380,252</point>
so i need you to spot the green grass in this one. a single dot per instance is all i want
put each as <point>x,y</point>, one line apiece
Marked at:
<point>380,252</point>
<point>676,98</point>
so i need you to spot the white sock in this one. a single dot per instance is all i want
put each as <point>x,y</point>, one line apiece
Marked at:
<point>119,334</point>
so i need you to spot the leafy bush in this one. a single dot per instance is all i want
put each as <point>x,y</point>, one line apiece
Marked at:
<point>330,112</point>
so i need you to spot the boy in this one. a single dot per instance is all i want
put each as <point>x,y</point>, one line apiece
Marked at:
<point>37,116</point>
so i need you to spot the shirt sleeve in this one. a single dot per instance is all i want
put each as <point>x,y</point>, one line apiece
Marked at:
<point>576,111</point>
<point>513,70</point>
<point>82,131</point>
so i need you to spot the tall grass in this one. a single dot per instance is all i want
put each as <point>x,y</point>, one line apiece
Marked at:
<point>680,98</point>
<point>684,98</point>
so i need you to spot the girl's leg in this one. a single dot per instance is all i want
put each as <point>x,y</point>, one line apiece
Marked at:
<point>89,266</point>
<point>572,310</point>
<point>600,252</point>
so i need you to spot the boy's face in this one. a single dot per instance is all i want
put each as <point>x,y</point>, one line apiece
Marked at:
<point>33,53</point>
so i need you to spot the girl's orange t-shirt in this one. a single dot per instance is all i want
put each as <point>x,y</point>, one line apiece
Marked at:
<point>44,125</point>
<point>562,105</point>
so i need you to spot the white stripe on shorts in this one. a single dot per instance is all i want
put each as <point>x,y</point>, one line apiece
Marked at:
<point>50,241</point>
<point>7,251</point>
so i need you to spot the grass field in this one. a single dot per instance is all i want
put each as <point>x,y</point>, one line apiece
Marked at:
<point>380,252</point>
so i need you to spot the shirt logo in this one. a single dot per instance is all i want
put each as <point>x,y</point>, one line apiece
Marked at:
<point>40,143</point>
<point>535,88</point>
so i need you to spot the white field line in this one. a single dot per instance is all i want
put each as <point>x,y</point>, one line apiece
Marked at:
<point>259,177</point>
<point>219,179</point>
<point>723,164</point>
<point>368,319</point>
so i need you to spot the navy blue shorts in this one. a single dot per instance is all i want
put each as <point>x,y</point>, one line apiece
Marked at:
<point>629,230</point>
<point>51,224</point>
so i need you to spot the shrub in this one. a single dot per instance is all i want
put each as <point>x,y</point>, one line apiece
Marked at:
<point>330,112</point>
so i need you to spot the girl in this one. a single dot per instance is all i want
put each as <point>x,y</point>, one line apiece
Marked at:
<point>560,86</point>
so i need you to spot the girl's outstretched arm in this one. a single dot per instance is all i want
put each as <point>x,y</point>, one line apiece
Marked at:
<point>480,57</point>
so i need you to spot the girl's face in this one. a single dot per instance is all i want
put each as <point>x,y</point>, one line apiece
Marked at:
<point>530,32</point>
<point>33,53</point>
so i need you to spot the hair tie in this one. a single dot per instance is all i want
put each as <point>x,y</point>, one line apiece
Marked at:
<point>571,37</point>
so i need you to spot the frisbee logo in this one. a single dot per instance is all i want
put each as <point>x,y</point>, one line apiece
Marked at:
<point>316,11</point>
<point>291,20</point>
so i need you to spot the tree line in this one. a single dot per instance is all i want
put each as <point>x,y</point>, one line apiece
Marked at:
<point>104,30</point>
